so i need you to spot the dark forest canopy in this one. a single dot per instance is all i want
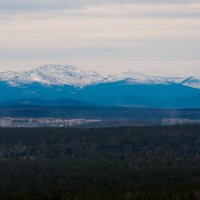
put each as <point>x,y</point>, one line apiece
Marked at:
<point>105,163</point>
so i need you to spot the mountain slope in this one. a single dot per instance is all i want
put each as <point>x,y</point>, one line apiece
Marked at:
<point>130,88</point>
<point>41,102</point>
<point>111,94</point>
<point>57,75</point>
<point>52,75</point>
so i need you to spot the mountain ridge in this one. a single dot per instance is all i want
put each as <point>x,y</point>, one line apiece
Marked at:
<point>51,75</point>
<point>127,89</point>
<point>43,102</point>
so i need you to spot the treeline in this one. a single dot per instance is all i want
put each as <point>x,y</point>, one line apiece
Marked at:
<point>106,163</point>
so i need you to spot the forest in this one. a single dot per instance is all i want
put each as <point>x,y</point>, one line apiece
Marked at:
<point>136,163</point>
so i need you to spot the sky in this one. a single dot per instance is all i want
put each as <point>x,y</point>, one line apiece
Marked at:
<point>152,36</point>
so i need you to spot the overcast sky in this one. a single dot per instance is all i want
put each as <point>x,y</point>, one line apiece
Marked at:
<point>154,36</point>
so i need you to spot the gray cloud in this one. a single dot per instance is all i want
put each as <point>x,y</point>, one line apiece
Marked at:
<point>100,33</point>
<point>28,5</point>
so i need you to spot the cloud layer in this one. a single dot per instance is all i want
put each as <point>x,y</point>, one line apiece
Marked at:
<point>121,34</point>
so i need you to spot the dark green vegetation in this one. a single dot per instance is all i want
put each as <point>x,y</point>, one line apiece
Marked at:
<point>141,163</point>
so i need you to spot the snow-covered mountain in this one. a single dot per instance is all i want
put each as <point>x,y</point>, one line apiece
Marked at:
<point>51,75</point>
<point>135,77</point>
<point>192,82</point>
<point>130,88</point>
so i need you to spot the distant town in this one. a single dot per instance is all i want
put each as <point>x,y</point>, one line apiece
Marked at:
<point>179,121</point>
<point>42,122</point>
<point>9,122</point>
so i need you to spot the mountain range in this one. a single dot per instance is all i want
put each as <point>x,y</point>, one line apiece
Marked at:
<point>51,75</point>
<point>78,87</point>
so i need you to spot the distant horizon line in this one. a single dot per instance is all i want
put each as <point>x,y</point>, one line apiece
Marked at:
<point>90,70</point>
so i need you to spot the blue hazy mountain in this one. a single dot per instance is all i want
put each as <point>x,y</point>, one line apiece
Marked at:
<point>77,88</point>
<point>41,102</point>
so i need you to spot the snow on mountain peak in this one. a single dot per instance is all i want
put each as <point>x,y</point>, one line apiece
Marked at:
<point>130,76</point>
<point>135,77</point>
<point>68,75</point>
<point>53,75</point>
<point>192,82</point>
